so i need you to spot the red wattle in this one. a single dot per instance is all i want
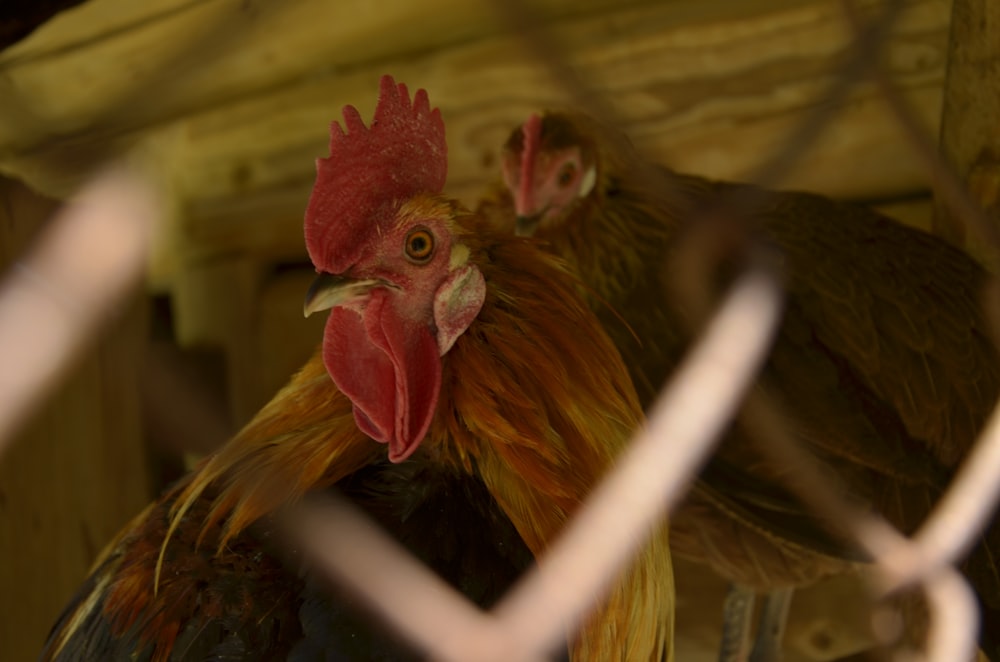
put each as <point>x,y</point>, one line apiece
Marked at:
<point>390,369</point>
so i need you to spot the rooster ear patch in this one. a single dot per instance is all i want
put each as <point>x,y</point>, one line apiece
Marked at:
<point>456,304</point>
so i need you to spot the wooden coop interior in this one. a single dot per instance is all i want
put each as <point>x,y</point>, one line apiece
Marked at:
<point>235,101</point>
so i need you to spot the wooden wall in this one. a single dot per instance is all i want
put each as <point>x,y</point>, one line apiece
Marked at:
<point>78,471</point>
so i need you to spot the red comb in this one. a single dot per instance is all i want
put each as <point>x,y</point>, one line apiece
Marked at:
<point>370,171</point>
<point>532,131</point>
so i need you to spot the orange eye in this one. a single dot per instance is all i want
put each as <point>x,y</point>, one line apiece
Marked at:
<point>566,175</point>
<point>419,245</point>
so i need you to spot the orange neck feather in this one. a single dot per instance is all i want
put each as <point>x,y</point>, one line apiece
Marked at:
<point>536,398</point>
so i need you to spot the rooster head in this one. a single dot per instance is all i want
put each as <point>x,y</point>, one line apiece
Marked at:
<point>391,265</point>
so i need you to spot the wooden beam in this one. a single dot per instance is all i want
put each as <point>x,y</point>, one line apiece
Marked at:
<point>712,97</point>
<point>74,77</point>
<point>19,19</point>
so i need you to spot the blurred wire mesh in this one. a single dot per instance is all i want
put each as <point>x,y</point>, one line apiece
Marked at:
<point>70,283</point>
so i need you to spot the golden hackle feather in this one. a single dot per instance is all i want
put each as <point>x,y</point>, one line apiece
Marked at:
<point>303,439</point>
<point>542,430</point>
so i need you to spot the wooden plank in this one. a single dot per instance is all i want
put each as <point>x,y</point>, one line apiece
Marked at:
<point>256,318</point>
<point>265,223</point>
<point>970,123</point>
<point>711,98</point>
<point>93,22</point>
<point>56,89</point>
<point>76,474</point>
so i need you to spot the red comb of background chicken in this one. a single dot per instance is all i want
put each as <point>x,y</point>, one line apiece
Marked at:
<point>370,171</point>
<point>532,131</point>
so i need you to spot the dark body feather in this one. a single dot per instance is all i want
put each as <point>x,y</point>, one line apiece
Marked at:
<point>883,360</point>
<point>254,601</point>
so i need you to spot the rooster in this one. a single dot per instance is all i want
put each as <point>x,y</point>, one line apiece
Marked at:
<point>466,352</point>
<point>884,359</point>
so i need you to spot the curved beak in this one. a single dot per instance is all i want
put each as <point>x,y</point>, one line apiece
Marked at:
<point>526,225</point>
<point>329,290</point>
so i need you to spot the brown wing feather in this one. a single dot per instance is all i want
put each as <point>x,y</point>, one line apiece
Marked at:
<point>902,308</point>
<point>883,358</point>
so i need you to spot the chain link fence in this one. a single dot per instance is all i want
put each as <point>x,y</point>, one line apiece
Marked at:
<point>60,294</point>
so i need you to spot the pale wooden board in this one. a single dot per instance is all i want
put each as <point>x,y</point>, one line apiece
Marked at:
<point>711,98</point>
<point>213,306</point>
<point>970,129</point>
<point>68,74</point>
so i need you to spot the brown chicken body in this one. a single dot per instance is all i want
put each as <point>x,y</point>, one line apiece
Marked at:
<point>500,398</point>
<point>883,360</point>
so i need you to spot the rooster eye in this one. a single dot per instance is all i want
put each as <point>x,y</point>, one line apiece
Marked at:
<point>419,245</point>
<point>566,175</point>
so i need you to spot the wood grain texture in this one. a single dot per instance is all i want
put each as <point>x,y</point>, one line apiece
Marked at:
<point>69,77</point>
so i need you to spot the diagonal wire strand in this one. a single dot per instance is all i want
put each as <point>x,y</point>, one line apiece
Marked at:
<point>57,297</point>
